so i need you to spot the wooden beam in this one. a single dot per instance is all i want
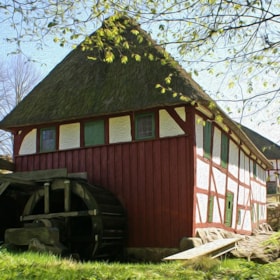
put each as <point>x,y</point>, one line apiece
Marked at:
<point>59,214</point>
<point>213,249</point>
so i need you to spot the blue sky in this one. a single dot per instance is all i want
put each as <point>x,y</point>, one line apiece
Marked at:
<point>51,54</point>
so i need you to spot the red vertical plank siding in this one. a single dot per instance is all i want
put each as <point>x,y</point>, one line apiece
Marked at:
<point>75,161</point>
<point>96,166</point>
<point>158,222</point>
<point>62,162</point>
<point>104,166</point>
<point>153,180</point>
<point>165,191</point>
<point>125,161</point>
<point>149,191</point>
<point>174,190</point>
<point>118,169</point>
<point>55,160</point>
<point>111,168</point>
<point>141,196</point>
<point>132,205</point>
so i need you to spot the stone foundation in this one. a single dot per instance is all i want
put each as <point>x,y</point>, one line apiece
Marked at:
<point>273,215</point>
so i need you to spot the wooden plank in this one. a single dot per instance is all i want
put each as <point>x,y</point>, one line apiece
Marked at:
<point>6,165</point>
<point>38,175</point>
<point>214,249</point>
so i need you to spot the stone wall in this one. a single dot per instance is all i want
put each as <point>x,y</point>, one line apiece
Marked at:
<point>273,215</point>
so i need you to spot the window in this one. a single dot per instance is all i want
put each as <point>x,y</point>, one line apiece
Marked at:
<point>47,139</point>
<point>94,133</point>
<point>255,169</point>
<point>210,208</point>
<point>224,150</point>
<point>145,126</point>
<point>207,135</point>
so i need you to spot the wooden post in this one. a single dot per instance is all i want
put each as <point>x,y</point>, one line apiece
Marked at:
<point>47,198</point>
<point>67,196</point>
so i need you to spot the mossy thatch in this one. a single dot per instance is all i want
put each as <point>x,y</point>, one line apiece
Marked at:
<point>81,87</point>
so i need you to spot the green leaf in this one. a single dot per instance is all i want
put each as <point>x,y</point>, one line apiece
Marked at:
<point>134,32</point>
<point>109,57</point>
<point>151,57</point>
<point>168,79</point>
<point>124,59</point>
<point>137,57</point>
<point>91,58</point>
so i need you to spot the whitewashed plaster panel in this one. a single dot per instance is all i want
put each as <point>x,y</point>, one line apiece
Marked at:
<point>216,156</point>
<point>28,145</point>
<point>168,126</point>
<point>243,195</point>
<point>232,186</point>
<point>246,223</point>
<point>181,113</point>
<point>242,167</point>
<point>247,170</point>
<point>263,194</point>
<point>233,158</point>
<point>262,212</point>
<point>202,174</point>
<point>202,206</point>
<point>218,215</point>
<point>219,181</point>
<point>119,129</point>
<point>255,187</point>
<point>69,136</point>
<point>199,135</point>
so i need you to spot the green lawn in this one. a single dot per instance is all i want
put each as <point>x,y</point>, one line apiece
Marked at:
<point>29,265</point>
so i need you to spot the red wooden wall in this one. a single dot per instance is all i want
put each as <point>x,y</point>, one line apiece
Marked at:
<point>153,179</point>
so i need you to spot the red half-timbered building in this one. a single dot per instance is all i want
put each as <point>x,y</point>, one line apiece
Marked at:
<point>145,131</point>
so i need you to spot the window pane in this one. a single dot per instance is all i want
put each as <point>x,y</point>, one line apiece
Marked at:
<point>207,133</point>
<point>145,127</point>
<point>94,133</point>
<point>47,139</point>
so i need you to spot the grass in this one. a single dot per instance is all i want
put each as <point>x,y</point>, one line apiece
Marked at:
<point>30,265</point>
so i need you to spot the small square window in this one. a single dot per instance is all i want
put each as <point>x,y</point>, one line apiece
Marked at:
<point>94,133</point>
<point>48,139</point>
<point>145,126</point>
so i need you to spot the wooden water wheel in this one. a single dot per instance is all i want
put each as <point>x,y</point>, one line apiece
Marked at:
<point>69,213</point>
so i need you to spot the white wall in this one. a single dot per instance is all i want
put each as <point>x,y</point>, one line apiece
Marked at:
<point>28,145</point>
<point>119,129</point>
<point>168,126</point>
<point>69,136</point>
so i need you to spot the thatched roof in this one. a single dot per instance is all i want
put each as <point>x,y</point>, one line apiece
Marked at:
<point>79,87</point>
<point>270,149</point>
